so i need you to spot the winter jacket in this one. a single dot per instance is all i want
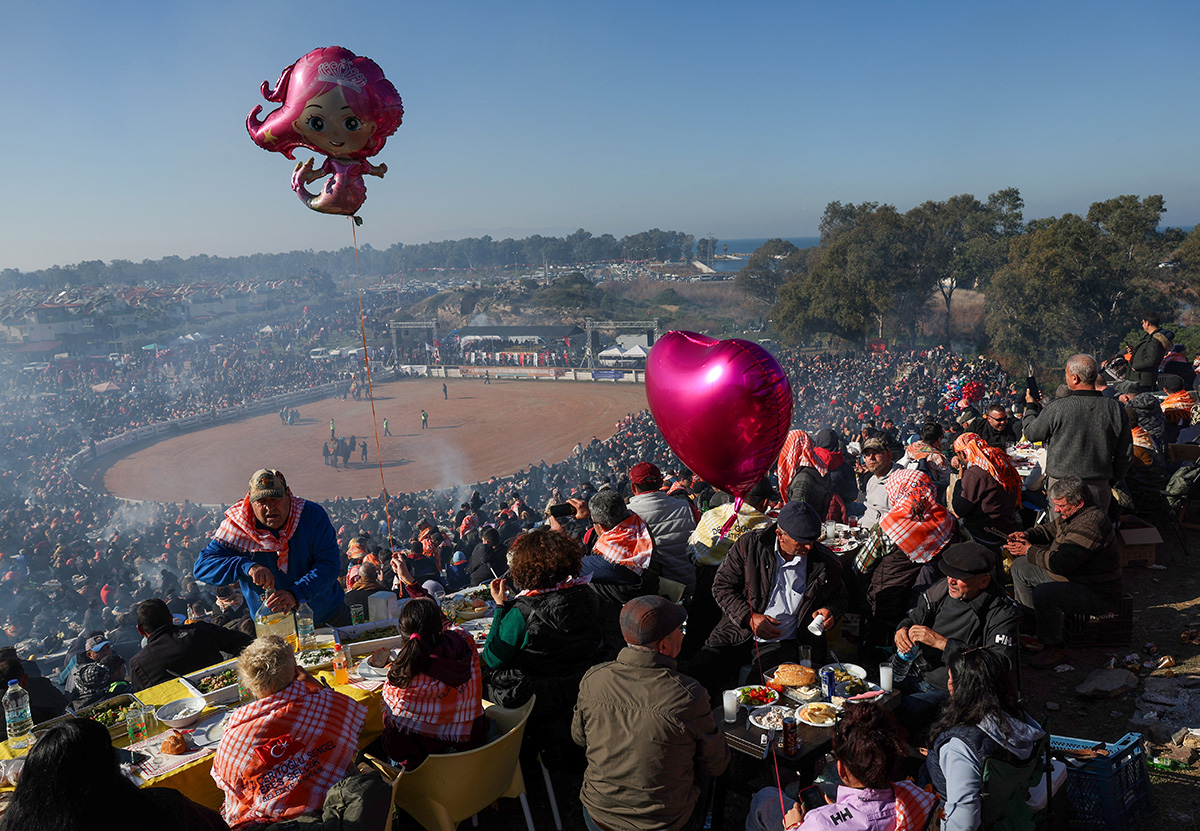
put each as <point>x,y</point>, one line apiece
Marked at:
<point>1146,357</point>
<point>981,503</point>
<point>671,523</point>
<point>987,620</point>
<point>1086,435</point>
<point>178,650</point>
<point>1083,548</point>
<point>744,582</point>
<point>650,737</point>
<point>956,761</point>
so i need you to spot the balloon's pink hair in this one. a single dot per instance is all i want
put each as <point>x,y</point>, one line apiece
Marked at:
<point>369,94</point>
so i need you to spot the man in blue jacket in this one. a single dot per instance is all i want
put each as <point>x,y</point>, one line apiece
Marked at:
<point>281,550</point>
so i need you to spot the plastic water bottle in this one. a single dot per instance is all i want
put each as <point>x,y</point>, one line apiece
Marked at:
<point>304,624</point>
<point>903,664</point>
<point>341,676</point>
<point>17,717</point>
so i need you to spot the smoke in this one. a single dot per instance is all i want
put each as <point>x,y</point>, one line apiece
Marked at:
<point>451,465</point>
<point>481,320</point>
<point>132,519</point>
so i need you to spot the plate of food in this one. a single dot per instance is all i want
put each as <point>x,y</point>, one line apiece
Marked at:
<point>375,666</point>
<point>794,681</point>
<point>209,732</point>
<point>817,714</point>
<point>769,718</point>
<point>318,657</point>
<point>842,546</point>
<point>756,695</point>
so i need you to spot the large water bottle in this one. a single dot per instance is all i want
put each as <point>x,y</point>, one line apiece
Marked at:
<point>304,625</point>
<point>17,717</point>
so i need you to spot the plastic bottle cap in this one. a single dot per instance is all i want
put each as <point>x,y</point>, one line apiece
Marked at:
<point>12,682</point>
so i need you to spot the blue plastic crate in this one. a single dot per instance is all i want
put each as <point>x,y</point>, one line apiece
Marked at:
<point>1108,793</point>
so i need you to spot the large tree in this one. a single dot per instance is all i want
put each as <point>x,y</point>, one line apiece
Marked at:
<point>769,267</point>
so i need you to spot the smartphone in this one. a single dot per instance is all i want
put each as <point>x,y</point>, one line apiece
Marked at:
<point>1031,384</point>
<point>563,509</point>
<point>130,757</point>
<point>812,797</point>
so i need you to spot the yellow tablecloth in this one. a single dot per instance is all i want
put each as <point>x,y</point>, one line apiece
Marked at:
<point>195,780</point>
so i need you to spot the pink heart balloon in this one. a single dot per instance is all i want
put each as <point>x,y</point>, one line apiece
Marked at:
<point>724,406</point>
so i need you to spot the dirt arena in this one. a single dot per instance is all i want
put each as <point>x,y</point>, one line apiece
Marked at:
<point>479,431</point>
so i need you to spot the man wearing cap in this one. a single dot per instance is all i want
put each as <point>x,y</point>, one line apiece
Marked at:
<point>670,521</point>
<point>965,611</point>
<point>878,460</point>
<point>95,650</point>
<point>708,546</point>
<point>648,730</point>
<point>774,584</point>
<point>276,543</point>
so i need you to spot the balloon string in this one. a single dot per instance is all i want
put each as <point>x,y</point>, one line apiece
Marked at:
<point>362,322</point>
<point>774,758</point>
<point>737,506</point>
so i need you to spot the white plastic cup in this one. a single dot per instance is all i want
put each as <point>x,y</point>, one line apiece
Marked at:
<point>817,627</point>
<point>731,700</point>
<point>885,677</point>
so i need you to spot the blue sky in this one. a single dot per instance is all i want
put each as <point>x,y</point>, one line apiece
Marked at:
<point>741,120</point>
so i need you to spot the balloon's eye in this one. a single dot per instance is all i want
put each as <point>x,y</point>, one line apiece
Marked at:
<point>351,123</point>
<point>316,123</point>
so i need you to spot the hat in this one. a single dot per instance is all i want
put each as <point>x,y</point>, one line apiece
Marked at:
<point>1126,387</point>
<point>645,473</point>
<point>825,439</point>
<point>966,560</point>
<point>764,490</point>
<point>459,557</point>
<point>649,619</point>
<point>800,521</point>
<point>267,484</point>
<point>95,643</point>
<point>875,443</point>
<point>433,587</point>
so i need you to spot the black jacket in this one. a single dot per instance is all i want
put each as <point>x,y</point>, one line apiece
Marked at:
<point>485,560</point>
<point>178,650</point>
<point>1146,357</point>
<point>744,582</point>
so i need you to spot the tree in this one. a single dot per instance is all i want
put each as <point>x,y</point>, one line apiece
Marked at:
<point>769,267</point>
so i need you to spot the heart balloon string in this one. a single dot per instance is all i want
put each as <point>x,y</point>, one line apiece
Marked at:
<point>738,502</point>
<point>362,324</point>
<point>774,758</point>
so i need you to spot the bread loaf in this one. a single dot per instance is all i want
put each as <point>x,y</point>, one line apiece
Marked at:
<point>794,675</point>
<point>174,744</point>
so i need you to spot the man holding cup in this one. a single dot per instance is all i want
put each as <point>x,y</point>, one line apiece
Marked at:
<point>778,589</point>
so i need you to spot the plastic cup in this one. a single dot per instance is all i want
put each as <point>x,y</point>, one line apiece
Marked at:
<point>885,676</point>
<point>817,627</point>
<point>357,614</point>
<point>731,701</point>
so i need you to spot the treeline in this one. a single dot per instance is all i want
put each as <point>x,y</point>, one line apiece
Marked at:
<point>1050,286</point>
<point>473,253</point>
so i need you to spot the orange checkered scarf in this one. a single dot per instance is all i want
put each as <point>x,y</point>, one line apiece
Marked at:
<point>993,460</point>
<point>434,708</point>
<point>280,755</point>
<point>915,522</point>
<point>240,530</point>
<point>797,452</point>
<point>913,806</point>
<point>627,543</point>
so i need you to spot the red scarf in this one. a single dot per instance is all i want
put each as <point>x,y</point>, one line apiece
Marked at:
<point>240,530</point>
<point>627,544</point>
<point>915,522</point>
<point>993,460</point>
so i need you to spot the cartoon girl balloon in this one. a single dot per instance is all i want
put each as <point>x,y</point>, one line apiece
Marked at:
<point>337,103</point>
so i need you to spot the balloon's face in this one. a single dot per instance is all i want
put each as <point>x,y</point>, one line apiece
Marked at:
<point>331,126</point>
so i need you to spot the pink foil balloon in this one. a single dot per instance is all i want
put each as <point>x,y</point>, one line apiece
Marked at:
<point>724,406</point>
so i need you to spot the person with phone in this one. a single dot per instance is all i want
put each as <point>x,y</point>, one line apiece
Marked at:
<point>868,750</point>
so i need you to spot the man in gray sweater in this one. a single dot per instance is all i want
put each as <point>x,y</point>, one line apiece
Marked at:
<point>1086,434</point>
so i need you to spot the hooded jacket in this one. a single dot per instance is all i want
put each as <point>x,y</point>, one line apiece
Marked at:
<point>671,523</point>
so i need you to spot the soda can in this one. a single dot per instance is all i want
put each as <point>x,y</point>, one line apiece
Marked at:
<point>828,683</point>
<point>789,736</point>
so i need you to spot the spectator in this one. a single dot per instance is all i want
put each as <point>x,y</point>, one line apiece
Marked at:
<point>988,491</point>
<point>1071,565</point>
<point>432,701</point>
<point>648,730</point>
<point>488,560</point>
<point>878,463</point>
<point>670,522</point>
<point>301,720</point>
<point>172,650</point>
<point>996,429</point>
<point>982,720</point>
<point>457,574</point>
<point>774,583</point>
<point>71,777</point>
<point>284,545</point>
<point>1148,353</point>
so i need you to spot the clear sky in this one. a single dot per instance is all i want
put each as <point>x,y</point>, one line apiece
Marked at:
<point>736,119</point>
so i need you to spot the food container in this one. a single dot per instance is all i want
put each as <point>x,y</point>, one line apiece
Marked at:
<point>227,693</point>
<point>111,713</point>
<point>365,638</point>
<point>182,713</point>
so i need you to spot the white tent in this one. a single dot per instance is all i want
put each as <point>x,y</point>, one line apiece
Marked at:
<point>267,330</point>
<point>612,352</point>
<point>637,351</point>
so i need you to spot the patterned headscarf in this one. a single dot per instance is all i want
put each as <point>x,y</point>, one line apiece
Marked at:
<point>915,522</point>
<point>239,530</point>
<point>797,452</point>
<point>992,460</point>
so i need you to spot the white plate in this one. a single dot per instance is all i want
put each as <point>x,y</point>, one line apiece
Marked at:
<point>844,547</point>
<point>774,695</point>
<point>800,716</point>
<point>853,669</point>
<point>365,670</point>
<point>757,714</point>
<point>209,732</point>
